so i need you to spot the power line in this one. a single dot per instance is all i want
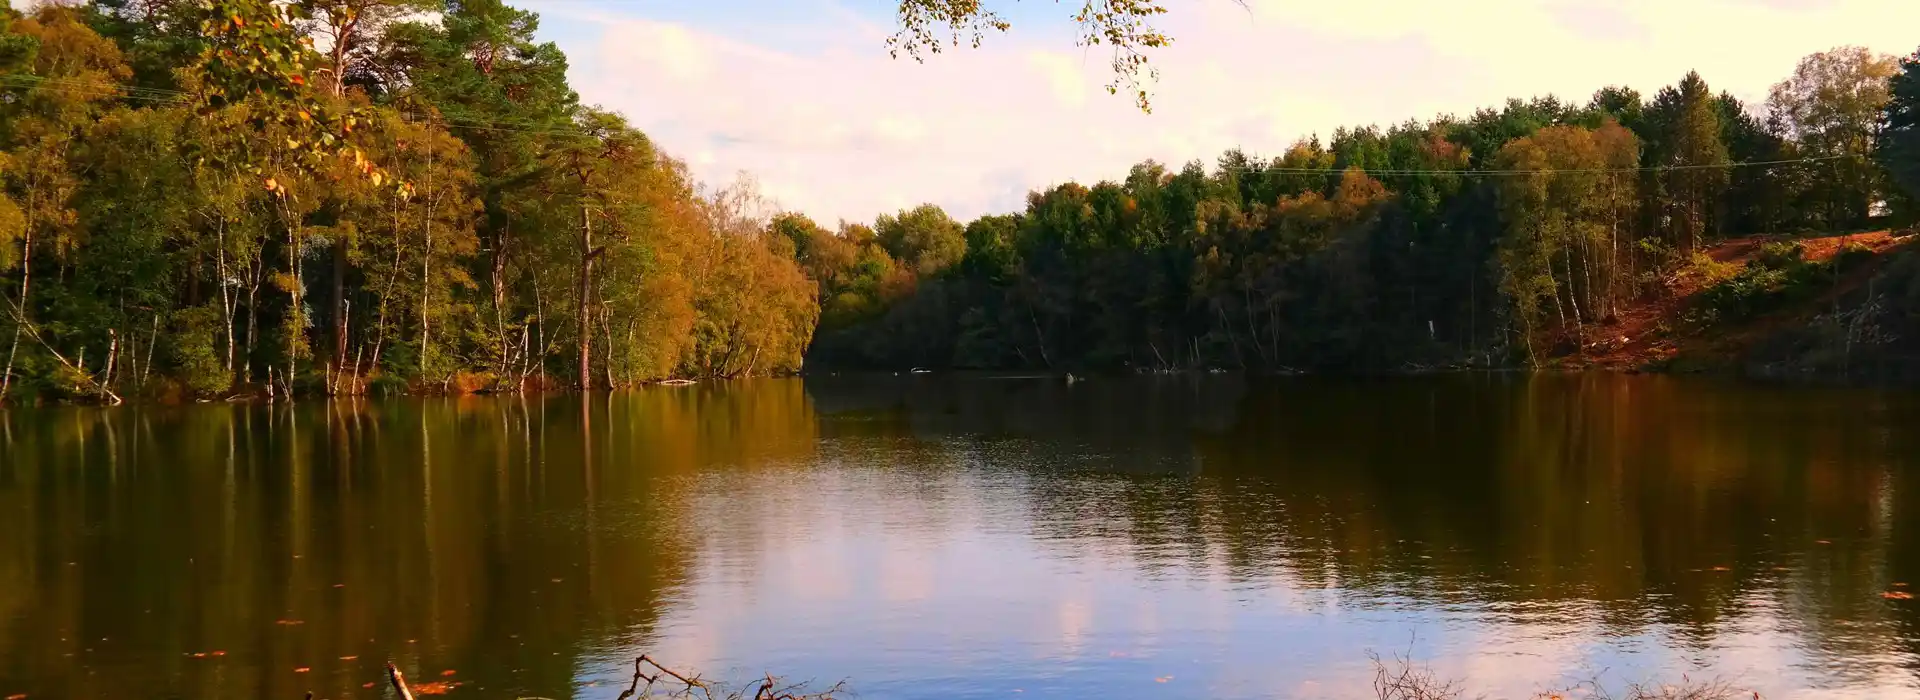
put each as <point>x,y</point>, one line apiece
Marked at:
<point>161,95</point>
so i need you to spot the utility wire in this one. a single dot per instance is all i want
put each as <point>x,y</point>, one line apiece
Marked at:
<point>160,95</point>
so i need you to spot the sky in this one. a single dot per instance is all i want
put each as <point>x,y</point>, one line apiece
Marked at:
<point>803,95</point>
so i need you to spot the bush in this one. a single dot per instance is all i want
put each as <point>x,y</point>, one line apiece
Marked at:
<point>1853,254</point>
<point>1781,255</point>
<point>1780,275</point>
<point>190,346</point>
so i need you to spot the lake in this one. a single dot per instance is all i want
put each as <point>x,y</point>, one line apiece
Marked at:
<point>935,536</point>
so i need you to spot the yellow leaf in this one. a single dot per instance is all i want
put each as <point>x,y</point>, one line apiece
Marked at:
<point>376,179</point>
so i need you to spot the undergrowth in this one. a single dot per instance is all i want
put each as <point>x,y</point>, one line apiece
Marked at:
<point>1778,277</point>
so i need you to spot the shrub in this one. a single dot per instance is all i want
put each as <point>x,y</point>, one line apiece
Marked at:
<point>1778,276</point>
<point>190,346</point>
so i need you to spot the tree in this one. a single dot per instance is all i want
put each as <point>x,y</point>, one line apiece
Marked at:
<point>1831,107</point>
<point>1899,147</point>
<point>1684,139</point>
<point>1561,216</point>
<point>42,124</point>
<point>923,238</point>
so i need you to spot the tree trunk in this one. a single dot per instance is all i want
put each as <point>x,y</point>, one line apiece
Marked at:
<point>339,302</point>
<point>426,259</point>
<point>19,318</point>
<point>586,282</point>
<point>499,275</point>
<point>540,323</point>
<point>1573,299</point>
<point>606,326</point>
<point>253,311</point>
<point>226,295</point>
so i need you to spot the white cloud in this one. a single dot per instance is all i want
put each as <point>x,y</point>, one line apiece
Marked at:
<point>842,131</point>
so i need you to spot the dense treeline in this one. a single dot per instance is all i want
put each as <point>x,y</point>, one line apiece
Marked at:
<point>153,239</point>
<point>235,196</point>
<point>1510,235</point>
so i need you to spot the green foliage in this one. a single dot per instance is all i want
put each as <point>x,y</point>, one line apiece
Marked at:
<point>1899,146</point>
<point>1367,251</point>
<point>424,205</point>
<point>1780,275</point>
<point>190,348</point>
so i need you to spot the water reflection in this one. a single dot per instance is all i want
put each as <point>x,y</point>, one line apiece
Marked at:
<point>942,536</point>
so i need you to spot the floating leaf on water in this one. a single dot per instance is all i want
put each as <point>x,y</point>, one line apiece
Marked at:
<point>1897,595</point>
<point>448,672</point>
<point>433,688</point>
<point>348,658</point>
<point>302,669</point>
<point>1821,542</point>
<point>1722,568</point>
<point>289,622</point>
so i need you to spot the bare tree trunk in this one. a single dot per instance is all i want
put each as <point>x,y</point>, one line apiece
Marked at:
<point>1039,337</point>
<point>426,260</point>
<point>1613,246</point>
<point>113,355</point>
<point>339,314</point>
<point>253,311</point>
<point>393,275</point>
<point>1573,297</point>
<point>499,270</point>
<point>26,280</point>
<point>153,339</point>
<point>606,326</point>
<point>1253,332</point>
<point>295,320</point>
<point>227,300</point>
<point>586,280</point>
<point>540,322</point>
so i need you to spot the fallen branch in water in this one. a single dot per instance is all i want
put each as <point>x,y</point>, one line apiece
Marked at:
<point>674,684</point>
<point>399,682</point>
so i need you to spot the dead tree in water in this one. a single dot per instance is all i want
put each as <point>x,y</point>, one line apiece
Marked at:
<point>674,684</point>
<point>650,679</point>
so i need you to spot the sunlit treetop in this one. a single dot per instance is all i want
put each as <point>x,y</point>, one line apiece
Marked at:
<point>254,50</point>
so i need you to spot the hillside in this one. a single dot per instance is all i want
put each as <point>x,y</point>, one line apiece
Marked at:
<point>1736,308</point>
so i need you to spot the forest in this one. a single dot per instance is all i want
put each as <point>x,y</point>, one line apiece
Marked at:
<point>1495,240</point>
<point>231,198</point>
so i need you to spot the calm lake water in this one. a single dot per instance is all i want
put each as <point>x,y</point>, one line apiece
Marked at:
<point>968,537</point>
